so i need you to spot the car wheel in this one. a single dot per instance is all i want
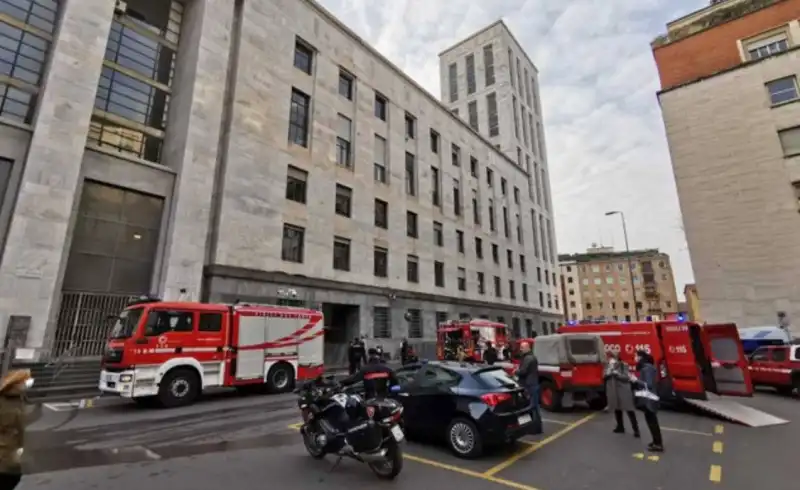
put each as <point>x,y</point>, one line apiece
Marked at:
<point>549,397</point>
<point>464,438</point>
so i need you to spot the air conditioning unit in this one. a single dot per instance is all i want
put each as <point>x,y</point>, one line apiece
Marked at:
<point>121,7</point>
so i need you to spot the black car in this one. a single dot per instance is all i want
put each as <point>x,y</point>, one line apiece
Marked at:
<point>469,406</point>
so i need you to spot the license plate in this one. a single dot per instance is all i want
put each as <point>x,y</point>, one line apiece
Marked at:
<point>397,432</point>
<point>524,419</point>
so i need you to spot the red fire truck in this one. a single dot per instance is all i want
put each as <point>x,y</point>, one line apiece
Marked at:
<point>169,352</point>
<point>692,359</point>
<point>472,335</point>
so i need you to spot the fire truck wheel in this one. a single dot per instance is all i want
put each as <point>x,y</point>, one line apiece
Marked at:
<point>549,397</point>
<point>178,387</point>
<point>280,378</point>
<point>598,402</point>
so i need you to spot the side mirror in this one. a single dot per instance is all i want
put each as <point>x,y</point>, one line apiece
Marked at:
<point>395,388</point>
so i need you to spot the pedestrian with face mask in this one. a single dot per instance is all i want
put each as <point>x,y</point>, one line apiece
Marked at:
<point>646,398</point>
<point>12,426</point>
<point>619,394</point>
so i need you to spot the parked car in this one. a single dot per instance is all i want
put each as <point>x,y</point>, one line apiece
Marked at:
<point>467,406</point>
<point>777,366</point>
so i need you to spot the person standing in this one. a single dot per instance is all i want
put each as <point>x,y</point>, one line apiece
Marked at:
<point>528,373</point>
<point>404,352</point>
<point>490,354</point>
<point>619,394</point>
<point>12,426</point>
<point>646,398</point>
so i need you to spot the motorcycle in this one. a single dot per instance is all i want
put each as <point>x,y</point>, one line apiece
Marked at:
<point>372,435</point>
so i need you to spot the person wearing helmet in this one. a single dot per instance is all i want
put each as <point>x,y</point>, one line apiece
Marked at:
<point>376,376</point>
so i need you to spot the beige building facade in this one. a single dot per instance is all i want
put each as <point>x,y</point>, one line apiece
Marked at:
<point>255,150</point>
<point>598,285</point>
<point>733,126</point>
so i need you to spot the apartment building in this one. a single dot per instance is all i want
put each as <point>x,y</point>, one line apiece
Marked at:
<point>254,150</point>
<point>729,98</point>
<point>605,285</point>
<point>489,81</point>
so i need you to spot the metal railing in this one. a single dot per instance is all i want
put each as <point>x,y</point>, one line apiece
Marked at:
<point>83,326</point>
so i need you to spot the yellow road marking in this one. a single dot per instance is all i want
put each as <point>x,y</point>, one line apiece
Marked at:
<point>553,421</point>
<point>638,455</point>
<point>715,475</point>
<point>535,447</point>
<point>719,429</point>
<point>718,447</point>
<point>653,458</point>
<point>457,469</point>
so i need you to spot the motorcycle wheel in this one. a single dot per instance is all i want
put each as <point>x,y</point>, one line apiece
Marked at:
<point>389,469</point>
<point>309,434</point>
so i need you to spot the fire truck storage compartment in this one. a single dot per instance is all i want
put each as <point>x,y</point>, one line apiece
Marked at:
<point>257,330</point>
<point>583,351</point>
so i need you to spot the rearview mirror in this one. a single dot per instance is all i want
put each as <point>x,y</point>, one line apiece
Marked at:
<point>395,388</point>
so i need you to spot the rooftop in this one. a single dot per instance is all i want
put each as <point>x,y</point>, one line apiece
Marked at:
<point>611,255</point>
<point>716,13</point>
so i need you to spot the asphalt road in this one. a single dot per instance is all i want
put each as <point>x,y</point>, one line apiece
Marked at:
<point>230,441</point>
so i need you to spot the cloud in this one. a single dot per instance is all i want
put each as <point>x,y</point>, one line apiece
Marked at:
<point>605,139</point>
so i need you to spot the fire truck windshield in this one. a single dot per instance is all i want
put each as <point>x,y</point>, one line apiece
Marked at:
<point>126,323</point>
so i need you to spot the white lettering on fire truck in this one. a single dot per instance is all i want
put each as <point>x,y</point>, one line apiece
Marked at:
<point>678,349</point>
<point>678,328</point>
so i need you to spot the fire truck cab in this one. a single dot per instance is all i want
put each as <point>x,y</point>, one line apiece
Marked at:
<point>692,359</point>
<point>169,352</point>
<point>472,335</point>
<point>777,366</point>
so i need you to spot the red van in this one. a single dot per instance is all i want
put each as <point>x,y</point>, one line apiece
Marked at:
<point>692,359</point>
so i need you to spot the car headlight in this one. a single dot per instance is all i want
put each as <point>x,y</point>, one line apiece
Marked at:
<point>126,378</point>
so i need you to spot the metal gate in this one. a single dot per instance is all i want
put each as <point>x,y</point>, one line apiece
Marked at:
<point>83,322</point>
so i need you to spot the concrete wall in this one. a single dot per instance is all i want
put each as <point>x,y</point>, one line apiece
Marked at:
<point>740,211</point>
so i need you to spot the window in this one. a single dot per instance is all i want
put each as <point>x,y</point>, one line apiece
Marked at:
<point>341,254</point>
<point>411,177</point>
<point>292,244</point>
<point>516,195</point>
<point>790,141</point>
<point>473,166</point>
<point>498,288</point>
<point>476,208</point>
<point>381,214</point>
<point>460,241</point>
<point>344,200</point>
<point>525,292</point>
<point>519,77</point>
<point>539,276</point>
<point>495,253</point>
<point>455,155</point>
<point>379,155</point>
<point>161,322</point>
<point>511,68</point>
<point>438,274</point>
<point>456,197</point>
<point>503,186</point>
<point>452,71</point>
<point>488,65</point>
<point>491,104</point>
<point>210,322</point>
<point>489,177</point>
<point>436,187</point>
<point>506,225</point>
<point>303,56</point>
<point>411,225</point>
<point>381,107</point>
<point>298,118</point>
<point>510,258</point>
<point>346,83</point>
<point>381,323</point>
<point>435,376</point>
<point>525,130</point>
<point>380,258</point>
<point>782,90</point>
<point>438,234</point>
<point>516,116</point>
<point>462,279</point>
<point>414,324</point>
<point>411,126</point>
<point>527,88</point>
<point>761,354</point>
<point>512,289</point>
<point>296,180</point>
<point>24,53</point>
<point>519,230</point>
<point>435,142</point>
<point>470,62</point>
<point>343,146</point>
<point>767,47</point>
<point>491,215</point>
<point>481,283</point>
<point>472,111</point>
<point>522,264</point>
<point>479,248</point>
<point>412,268</point>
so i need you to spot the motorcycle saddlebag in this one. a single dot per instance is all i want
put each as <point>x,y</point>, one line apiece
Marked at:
<point>365,436</point>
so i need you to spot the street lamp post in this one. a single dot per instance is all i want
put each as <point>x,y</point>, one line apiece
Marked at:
<point>628,254</point>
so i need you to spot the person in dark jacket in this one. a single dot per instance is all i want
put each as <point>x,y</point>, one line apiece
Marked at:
<point>405,351</point>
<point>619,393</point>
<point>376,376</point>
<point>490,354</point>
<point>12,426</point>
<point>353,356</point>
<point>528,373</point>
<point>646,398</point>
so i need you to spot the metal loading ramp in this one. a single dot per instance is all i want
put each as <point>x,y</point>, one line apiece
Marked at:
<point>734,411</point>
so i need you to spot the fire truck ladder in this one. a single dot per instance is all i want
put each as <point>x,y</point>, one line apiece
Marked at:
<point>726,408</point>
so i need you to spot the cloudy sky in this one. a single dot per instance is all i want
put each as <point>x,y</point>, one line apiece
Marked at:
<point>605,138</point>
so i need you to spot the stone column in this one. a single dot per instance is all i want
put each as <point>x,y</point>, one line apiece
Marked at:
<point>193,140</point>
<point>36,250</point>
